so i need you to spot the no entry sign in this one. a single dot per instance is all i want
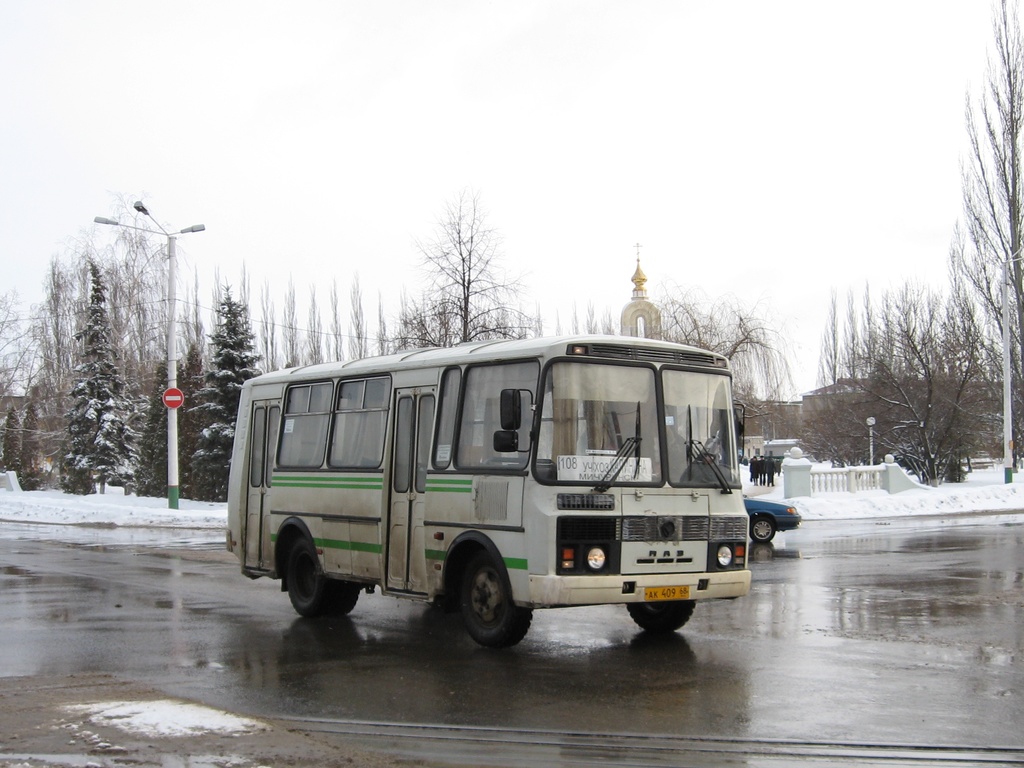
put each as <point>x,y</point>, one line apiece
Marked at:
<point>173,397</point>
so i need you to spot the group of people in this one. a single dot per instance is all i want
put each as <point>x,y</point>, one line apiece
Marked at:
<point>763,470</point>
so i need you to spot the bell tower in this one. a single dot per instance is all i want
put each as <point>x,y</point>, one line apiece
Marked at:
<point>640,317</point>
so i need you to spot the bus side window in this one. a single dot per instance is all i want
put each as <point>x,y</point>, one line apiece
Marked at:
<point>307,414</point>
<point>481,413</point>
<point>446,418</point>
<point>359,423</point>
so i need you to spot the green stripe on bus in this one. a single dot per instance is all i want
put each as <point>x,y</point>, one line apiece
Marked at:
<point>445,485</point>
<point>436,554</point>
<point>351,546</point>
<point>515,563</point>
<point>370,483</point>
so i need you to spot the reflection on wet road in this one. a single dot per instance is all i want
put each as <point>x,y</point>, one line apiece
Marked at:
<point>896,633</point>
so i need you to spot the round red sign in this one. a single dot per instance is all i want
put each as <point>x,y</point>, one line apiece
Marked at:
<point>173,397</point>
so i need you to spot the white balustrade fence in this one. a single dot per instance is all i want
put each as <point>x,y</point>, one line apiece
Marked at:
<point>849,479</point>
<point>799,478</point>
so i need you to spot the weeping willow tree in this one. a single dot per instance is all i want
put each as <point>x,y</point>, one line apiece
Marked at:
<point>743,334</point>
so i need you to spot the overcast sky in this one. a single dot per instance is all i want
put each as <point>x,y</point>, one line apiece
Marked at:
<point>769,150</point>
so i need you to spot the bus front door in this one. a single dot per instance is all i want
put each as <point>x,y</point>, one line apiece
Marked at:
<point>266,417</point>
<point>406,549</point>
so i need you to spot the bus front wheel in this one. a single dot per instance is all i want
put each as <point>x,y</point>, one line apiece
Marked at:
<point>662,616</point>
<point>307,586</point>
<point>490,616</point>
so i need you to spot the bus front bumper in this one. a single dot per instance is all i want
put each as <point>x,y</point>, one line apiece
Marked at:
<point>553,591</point>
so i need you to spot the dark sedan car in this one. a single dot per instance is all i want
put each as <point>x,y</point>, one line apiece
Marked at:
<point>767,517</point>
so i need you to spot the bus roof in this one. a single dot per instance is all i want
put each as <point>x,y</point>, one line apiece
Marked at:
<point>605,347</point>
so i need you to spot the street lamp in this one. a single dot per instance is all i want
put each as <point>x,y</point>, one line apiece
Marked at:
<point>871,440</point>
<point>172,341</point>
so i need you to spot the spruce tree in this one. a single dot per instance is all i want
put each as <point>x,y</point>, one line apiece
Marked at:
<point>191,420</point>
<point>12,442</point>
<point>31,476</point>
<point>98,444</point>
<point>232,362</point>
<point>151,471</point>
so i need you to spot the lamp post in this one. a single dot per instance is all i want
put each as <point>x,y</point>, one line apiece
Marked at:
<point>871,440</point>
<point>172,341</point>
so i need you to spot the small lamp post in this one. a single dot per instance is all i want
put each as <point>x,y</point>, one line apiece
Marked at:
<point>871,440</point>
<point>172,340</point>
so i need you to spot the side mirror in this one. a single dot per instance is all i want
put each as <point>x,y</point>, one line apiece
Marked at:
<point>740,417</point>
<point>510,412</point>
<point>506,441</point>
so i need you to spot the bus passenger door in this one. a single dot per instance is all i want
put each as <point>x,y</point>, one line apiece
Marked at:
<point>406,548</point>
<point>266,417</point>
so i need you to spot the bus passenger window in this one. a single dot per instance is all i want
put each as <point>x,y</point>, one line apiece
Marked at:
<point>304,432</point>
<point>446,418</point>
<point>360,422</point>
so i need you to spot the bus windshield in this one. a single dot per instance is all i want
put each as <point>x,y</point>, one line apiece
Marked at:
<point>699,430</point>
<point>599,425</point>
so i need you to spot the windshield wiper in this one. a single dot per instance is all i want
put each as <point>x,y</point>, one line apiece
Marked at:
<point>701,453</point>
<point>621,456</point>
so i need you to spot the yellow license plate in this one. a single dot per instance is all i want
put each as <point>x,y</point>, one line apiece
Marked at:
<point>666,593</point>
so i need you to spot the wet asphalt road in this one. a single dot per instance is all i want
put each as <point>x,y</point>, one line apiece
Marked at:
<point>904,632</point>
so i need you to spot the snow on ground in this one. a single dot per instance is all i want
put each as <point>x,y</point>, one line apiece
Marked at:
<point>165,718</point>
<point>112,508</point>
<point>983,492</point>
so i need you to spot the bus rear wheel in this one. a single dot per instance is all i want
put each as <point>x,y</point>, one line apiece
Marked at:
<point>661,616</point>
<point>307,586</point>
<point>342,597</point>
<point>490,616</point>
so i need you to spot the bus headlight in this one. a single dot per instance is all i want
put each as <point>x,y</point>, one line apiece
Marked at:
<point>724,555</point>
<point>596,558</point>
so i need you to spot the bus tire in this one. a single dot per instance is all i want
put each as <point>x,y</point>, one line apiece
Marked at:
<point>342,597</point>
<point>490,616</point>
<point>307,586</point>
<point>661,616</point>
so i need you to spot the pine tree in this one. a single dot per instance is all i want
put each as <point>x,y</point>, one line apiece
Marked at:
<point>31,476</point>
<point>151,471</point>
<point>233,362</point>
<point>12,442</point>
<point>191,420</point>
<point>98,444</point>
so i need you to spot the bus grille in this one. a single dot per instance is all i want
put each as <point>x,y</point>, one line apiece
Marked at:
<point>602,501</point>
<point>664,528</point>
<point>729,528</point>
<point>588,528</point>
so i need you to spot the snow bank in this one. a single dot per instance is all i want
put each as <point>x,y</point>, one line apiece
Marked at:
<point>110,509</point>
<point>984,491</point>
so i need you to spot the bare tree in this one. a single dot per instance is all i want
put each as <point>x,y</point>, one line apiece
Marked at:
<point>358,341</point>
<point>268,330</point>
<point>383,341</point>
<point>992,232</point>
<point>337,342</point>
<point>921,371</point>
<point>290,331</point>
<point>14,349</point>
<point>314,333</point>
<point>828,360</point>
<point>469,295</point>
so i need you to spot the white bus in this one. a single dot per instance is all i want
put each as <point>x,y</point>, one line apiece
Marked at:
<point>494,478</point>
